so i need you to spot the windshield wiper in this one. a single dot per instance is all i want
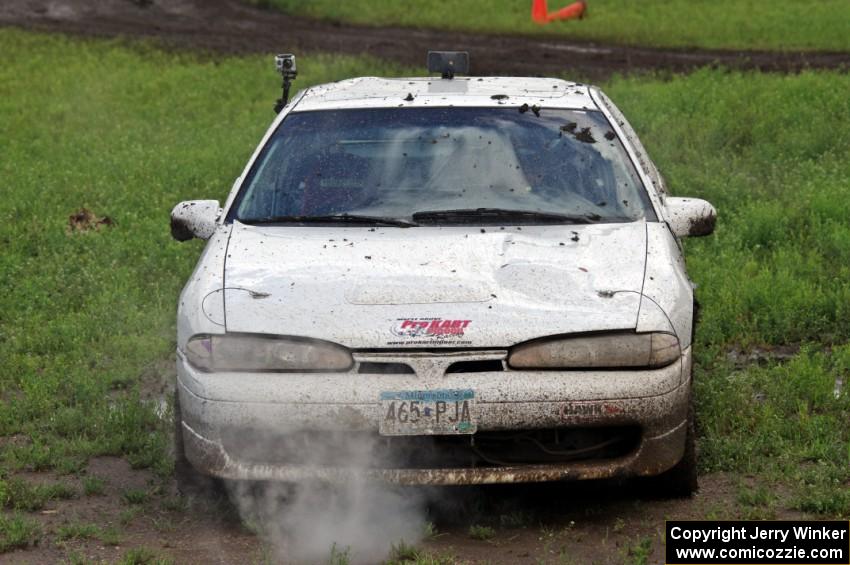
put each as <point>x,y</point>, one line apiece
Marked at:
<point>472,214</point>
<point>331,219</point>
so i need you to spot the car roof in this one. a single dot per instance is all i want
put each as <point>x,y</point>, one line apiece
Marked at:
<point>375,92</point>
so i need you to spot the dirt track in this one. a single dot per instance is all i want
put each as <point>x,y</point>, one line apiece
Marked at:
<point>555,523</point>
<point>231,27</point>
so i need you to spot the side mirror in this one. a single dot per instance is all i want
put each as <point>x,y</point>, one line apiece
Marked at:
<point>690,217</point>
<point>194,218</point>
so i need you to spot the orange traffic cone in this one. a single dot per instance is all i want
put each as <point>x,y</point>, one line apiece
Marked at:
<point>573,11</point>
<point>540,12</point>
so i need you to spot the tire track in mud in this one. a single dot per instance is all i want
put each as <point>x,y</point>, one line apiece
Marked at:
<point>231,27</point>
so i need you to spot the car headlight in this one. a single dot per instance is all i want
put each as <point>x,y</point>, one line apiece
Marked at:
<point>649,350</point>
<point>241,352</point>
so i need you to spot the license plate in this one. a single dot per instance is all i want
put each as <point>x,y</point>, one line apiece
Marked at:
<point>427,412</point>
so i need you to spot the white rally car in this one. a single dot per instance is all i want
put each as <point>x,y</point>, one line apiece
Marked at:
<point>452,280</point>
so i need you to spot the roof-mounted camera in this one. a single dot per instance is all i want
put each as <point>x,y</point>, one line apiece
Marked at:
<point>285,65</point>
<point>448,63</point>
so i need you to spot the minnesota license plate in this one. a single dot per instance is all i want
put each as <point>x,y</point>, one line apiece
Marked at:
<point>427,412</point>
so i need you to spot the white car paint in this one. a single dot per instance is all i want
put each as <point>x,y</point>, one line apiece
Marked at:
<point>355,286</point>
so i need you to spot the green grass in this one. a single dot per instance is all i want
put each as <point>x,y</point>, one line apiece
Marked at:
<point>111,536</point>
<point>93,486</point>
<point>423,558</point>
<point>759,495</point>
<point>482,533</point>
<point>516,519</point>
<point>756,502</point>
<point>339,555</point>
<point>77,531</point>
<point>128,132</point>
<point>128,515</point>
<point>639,552</point>
<point>143,556</point>
<point>770,152</point>
<point>18,494</point>
<point>402,552</point>
<point>738,24</point>
<point>18,532</point>
<point>84,317</point>
<point>135,496</point>
<point>430,531</point>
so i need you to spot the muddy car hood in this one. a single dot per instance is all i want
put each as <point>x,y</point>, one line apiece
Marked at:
<point>441,287</point>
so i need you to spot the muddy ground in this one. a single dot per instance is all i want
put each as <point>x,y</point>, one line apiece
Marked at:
<point>556,523</point>
<point>231,27</point>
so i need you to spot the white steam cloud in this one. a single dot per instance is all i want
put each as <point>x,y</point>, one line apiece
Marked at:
<point>307,522</point>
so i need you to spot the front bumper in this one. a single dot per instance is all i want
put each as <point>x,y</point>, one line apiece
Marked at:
<point>219,407</point>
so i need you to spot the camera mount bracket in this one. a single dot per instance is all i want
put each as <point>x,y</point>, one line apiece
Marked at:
<point>285,65</point>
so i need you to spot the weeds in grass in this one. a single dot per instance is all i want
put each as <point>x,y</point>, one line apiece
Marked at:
<point>111,536</point>
<point>718,512</point>
<point>546,531</point>
<point>77,531</point>
<point>640,552</point>
<point>482,533</point>
<point>175,503</point>
<point>756,502</point>
<point>423,558</point>
<point>832,502</point>
<point>135,496</point>
<point>824,491</point>
<point>143,556</point>
<point>19,494</point>
<point>93,486</point>
<point>128,515</point>
<point>266,555</point>
<point>18,532</point>
<point>403,552</point>
<point>69,465</point>
<point>619,525</point>
<point>756,513</point>
<point>339,556</point>
<point>77,558</point>
<point>516,519</point>
<point>430,531</point>
<point>163,524</point>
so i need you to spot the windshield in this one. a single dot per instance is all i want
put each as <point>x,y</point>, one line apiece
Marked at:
<point>442,165</point>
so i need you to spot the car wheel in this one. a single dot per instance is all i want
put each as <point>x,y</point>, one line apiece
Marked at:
<point>190,482</point>
<point>681,480</point>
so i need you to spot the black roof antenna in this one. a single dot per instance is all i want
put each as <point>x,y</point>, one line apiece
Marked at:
<point>285,65</point>
<point>448,63</point>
